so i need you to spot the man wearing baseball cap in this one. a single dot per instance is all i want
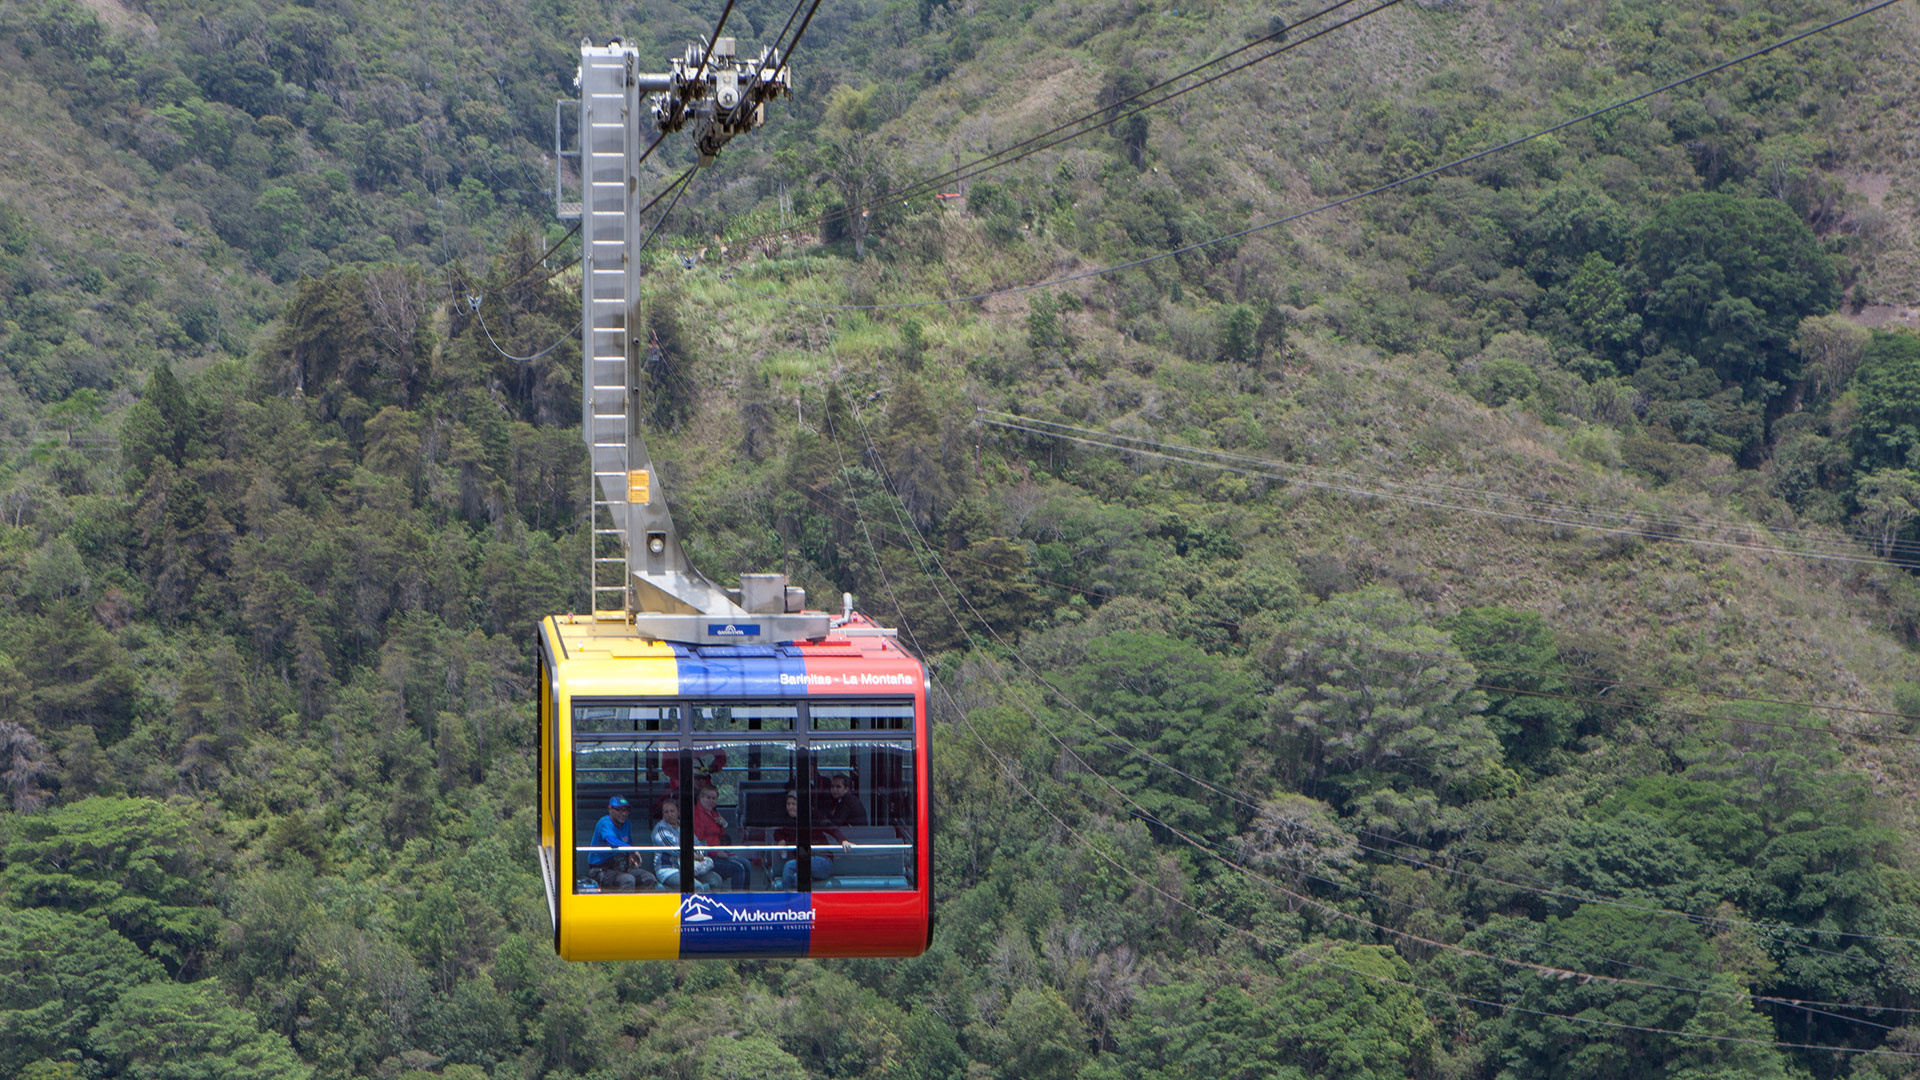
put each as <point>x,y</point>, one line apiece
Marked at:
<point>614,869</point>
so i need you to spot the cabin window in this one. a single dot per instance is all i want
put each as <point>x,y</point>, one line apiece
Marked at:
<point>755,837</point>
<point>594,718</point>
<point>631,769</point>
<point>806,796</point>
<point>861,716</point>
<point>863,797</point>
<point>743,718</point>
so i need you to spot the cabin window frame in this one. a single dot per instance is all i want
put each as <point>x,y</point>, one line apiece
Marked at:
<point>684,737</point>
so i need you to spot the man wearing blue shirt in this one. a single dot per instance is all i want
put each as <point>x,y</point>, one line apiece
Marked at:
<point>622,870</point>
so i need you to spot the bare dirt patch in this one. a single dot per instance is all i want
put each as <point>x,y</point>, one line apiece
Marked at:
<point>1872,186</point>
<point>123,20</point>
<point>1886,316</point>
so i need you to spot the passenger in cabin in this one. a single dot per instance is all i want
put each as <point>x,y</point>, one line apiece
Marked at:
<point>840,807</point>
<point>666,864</point>
<point>710,829</point>
<point>620,870</point>
<point>822,836</point>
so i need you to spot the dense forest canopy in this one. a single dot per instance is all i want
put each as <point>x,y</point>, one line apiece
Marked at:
<point>1533,695</point>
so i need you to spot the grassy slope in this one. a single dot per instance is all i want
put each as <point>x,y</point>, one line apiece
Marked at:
<point>1658,612</point>
<point>1713,620</point>
<point>1880,155</point>
<point>1743,623</point>
<point>87,205</point>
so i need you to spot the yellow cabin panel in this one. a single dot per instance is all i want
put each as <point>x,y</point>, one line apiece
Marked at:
<point>603,660</point>
<point>645,926</point>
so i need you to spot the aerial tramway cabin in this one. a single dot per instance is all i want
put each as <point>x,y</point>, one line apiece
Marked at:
<point>653,722</point>
<point>810,728</point>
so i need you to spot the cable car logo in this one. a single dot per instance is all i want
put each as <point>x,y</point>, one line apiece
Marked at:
<point>733,630</point>
<point>704,909</point>
<point>698,908</point>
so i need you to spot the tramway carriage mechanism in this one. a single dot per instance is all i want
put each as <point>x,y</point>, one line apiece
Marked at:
<point>723,772</point>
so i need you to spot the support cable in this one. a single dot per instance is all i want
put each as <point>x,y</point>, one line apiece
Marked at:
<point>1544,970</point>
<point>475,300</point>
<point>794,46</point>
<point>1606,682</point>
<point>779,51</point>
<point>907,523</point>
<point>1082,844</point>
<point>706,54</point>
<point>686,181</point>
<point>1812,1007</point>
<point>1270,473</point>
<point>1769,929</point>
<point>1343,201</point>
<point>1099,118</point>
<point>1210,847</point>
<point>1646,523</point>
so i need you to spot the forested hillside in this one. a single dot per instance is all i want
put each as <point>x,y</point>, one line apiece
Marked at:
<point>1466,633</point>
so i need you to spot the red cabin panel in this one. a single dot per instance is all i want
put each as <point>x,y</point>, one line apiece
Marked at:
<point>869,924</point>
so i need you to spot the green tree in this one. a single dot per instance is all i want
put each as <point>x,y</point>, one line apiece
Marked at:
<point>1239,333</point>
<point>78,412</point>
<point>854,164</point>
<point>1514,650</point>
<point>670,364</point>
<point>1043,323</point>
<point>1349,1012</point>
<point>437,932</point>
<point>64,973</point>
<point>1168,698</point>
<point>174,1031</point>
<point>920,448</point>
<point>164,424</point>
<point>75,671</point>
<point>135,863</point>
<point>1725,1015</point>
<point>1596,305</point>
<point>1038,1038</point>
<point>838,1027</point>
<point>1380,711</point>
<point>1194,1025</point>
<point>1301,839</point>
<point>913,344</point>
<point>1572,227</point>
<point>1819,873</point>
<point>1889,501</point>
<point>1906,1040</point>
<point>1270,339</point>
<point>1686,397</point>
<point>1831,348</point>
<point>1630,854</point>
<point>1117,90</point>
<point>1886,430</point>
<point>1549,1041</point>
<point>751,1057</point>
<point>283,219</point>
<point>1706,812</point>
<point>1729,278</point>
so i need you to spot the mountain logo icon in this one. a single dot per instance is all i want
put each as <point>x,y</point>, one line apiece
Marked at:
<point>699,909</point>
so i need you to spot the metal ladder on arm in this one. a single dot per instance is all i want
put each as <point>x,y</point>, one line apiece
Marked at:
<point>607,138</point>
<point>639,573</point>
